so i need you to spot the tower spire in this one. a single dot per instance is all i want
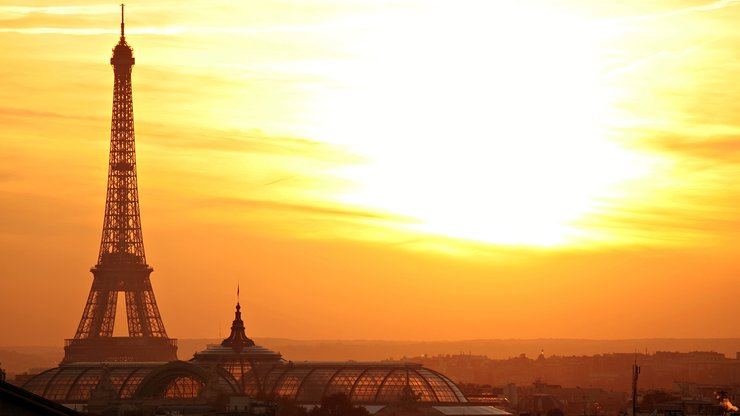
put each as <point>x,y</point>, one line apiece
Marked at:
<point>123,37</point>
<point>238,339</point>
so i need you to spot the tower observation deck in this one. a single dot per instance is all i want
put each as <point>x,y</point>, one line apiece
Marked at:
<point>121,266</point>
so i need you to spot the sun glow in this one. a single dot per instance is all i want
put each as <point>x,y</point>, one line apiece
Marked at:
<point>479,127</point>
<point>416,151</point>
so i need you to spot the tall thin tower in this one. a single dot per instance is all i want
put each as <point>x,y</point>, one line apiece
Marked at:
<point>122,265</point>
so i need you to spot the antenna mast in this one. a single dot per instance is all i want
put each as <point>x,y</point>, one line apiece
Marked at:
<point>635,375</point>
<point>122,35</point>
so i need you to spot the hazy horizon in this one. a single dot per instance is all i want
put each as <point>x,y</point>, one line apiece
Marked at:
<point>493,348</point>
<point>439,340</point>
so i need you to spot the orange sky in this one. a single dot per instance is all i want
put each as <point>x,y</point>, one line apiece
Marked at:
<point>383,169</point>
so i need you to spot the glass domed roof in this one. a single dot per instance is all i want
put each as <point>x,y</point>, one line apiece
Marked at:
<point>75,383</point>
<point>239,366</point>
<point>363,383</point>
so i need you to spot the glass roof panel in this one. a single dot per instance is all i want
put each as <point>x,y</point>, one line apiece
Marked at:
<point>367,385</point>
<point>315,384</point>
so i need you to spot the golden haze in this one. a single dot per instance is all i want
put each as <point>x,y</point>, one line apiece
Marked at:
<point>383,169</point>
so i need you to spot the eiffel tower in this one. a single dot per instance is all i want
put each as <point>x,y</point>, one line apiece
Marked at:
<point>122,265</point>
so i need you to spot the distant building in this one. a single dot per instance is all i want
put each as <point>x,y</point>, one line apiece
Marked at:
<point>539,404</point>
<point>690,408</point>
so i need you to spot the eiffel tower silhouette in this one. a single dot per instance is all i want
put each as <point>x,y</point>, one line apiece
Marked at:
<point>122,265</point>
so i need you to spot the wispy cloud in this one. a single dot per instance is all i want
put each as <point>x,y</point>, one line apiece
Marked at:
<point>163,31</point>
<point>664,54</point>
<point>340,212</point>
<point>34,114</point>
<point>17,12</point>
<point>253,142</point>
<point>697,215</point>
<point>717,150</point>
<point>717,5</point>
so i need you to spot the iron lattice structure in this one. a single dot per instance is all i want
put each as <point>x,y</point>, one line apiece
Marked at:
<point>122,265</point>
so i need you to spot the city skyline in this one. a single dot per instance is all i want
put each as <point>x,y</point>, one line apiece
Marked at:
<point>362,173</point>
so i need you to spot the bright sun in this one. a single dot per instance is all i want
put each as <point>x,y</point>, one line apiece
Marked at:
<point>489,125</point>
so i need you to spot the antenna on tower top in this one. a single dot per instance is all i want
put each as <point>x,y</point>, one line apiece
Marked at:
<point>122,36</point>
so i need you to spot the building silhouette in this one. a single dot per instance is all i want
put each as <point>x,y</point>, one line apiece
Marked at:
<point>20,402</point>
<point>122,266</point>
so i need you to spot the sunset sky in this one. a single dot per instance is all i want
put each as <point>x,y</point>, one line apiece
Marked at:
<point>371,169</point>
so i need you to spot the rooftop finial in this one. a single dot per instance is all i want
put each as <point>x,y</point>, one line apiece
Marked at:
<point>122,35</point>
<point>237,293</point>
